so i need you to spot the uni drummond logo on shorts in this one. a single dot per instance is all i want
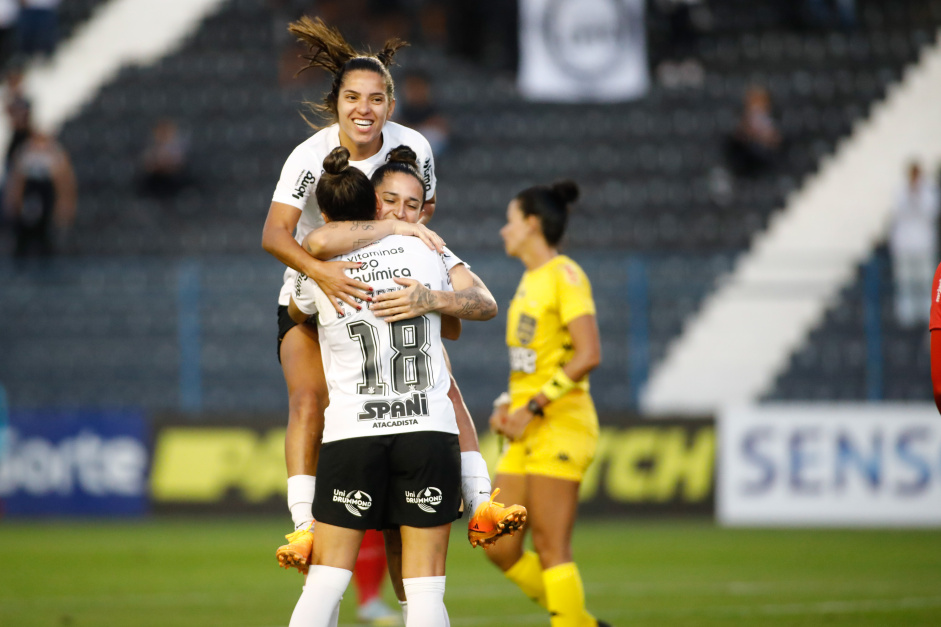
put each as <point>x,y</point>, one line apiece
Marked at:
<point>356,501</point>
<point>425,499</point>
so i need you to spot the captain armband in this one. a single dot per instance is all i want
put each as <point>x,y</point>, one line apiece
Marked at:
<point>558,386</point>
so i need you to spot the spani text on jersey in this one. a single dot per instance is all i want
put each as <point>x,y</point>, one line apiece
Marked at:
<point>416,405</point>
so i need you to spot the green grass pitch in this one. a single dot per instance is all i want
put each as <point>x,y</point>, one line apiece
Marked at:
<point>221,572</point>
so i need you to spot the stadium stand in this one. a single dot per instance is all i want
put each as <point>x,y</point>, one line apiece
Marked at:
<point>651,233</point>
<point>75,12</point>
<point>859,352</point>
<point>656,194</point>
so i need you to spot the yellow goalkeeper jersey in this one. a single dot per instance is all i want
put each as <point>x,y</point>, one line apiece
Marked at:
<point>547,299</point>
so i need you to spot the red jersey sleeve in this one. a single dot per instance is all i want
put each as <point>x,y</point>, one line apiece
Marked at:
<point>934,320</point>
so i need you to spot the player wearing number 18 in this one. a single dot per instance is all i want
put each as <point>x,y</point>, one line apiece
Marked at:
<point>390,456</point>
<point>548,414</point>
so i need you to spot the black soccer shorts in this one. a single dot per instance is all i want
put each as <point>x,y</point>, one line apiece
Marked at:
<point>386,481</point>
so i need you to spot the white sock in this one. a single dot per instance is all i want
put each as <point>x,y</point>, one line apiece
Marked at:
<point>425,597</point>
<point>319,605</point>
<point>475,480</point>
<point>404,605</point>
<point>301,499</point>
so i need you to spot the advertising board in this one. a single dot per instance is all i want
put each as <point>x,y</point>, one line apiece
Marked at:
<point>62,463</point>
<point>830,465</point>
<point>640,468</point>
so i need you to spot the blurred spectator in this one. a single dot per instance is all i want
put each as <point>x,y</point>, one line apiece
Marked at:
<point>38,27</point>
<point>913,245</point>
<point>163,163</point>
<point>19,113</point>
<point>9,14</point>
<point>416,109</point>
<point>687,20</point>
<point>755,144</point>
<point>40,194</point>
<point>432,21</point>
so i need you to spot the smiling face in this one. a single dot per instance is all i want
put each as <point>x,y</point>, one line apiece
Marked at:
<point>363,107</point>
<point>517,230</point>
<point>401,197</point>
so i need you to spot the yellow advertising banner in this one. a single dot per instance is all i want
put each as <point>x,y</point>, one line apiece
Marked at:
<point>655,467</point>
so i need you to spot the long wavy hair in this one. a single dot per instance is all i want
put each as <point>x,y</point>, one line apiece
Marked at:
<point>328,49</point>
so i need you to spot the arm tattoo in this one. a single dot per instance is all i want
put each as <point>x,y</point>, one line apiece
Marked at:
<point>425,299</point>
<point>474,305</point>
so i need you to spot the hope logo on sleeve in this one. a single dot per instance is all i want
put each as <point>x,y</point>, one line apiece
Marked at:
<point>303,182</point>
<point>571,274</point>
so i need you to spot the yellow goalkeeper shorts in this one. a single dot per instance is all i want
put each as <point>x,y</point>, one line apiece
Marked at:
<point>560,444</point>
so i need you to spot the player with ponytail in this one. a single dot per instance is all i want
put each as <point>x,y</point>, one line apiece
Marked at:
<point>357,111</point>
<point>547,414</point>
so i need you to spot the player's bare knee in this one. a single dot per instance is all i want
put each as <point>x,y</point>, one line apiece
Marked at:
<point>551,549</point>
<point>307,407</point>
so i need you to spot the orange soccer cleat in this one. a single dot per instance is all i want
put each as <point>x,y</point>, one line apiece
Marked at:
<point>492,520</point>
<point>296,553</point>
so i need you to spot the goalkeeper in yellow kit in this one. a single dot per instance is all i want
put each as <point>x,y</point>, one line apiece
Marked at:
<point>547,415</point>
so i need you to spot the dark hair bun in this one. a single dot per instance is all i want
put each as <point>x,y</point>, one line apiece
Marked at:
<point>403,154</point>
<point>566,191</point>
<point>337,161</point>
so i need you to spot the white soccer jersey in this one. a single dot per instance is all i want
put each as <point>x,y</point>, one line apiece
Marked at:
<point>383,378</point>
<point>307,294</point>
<point>303,168</point>
<point>451,260</point>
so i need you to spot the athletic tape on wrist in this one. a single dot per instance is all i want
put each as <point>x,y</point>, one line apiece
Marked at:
<point>558,386</point>
<point>473,465</point>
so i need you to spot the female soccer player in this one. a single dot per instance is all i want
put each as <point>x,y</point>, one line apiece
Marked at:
<point>359,104</point>
<point>548,414</point>
<point>390,454</point>
<point>399,189</point>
